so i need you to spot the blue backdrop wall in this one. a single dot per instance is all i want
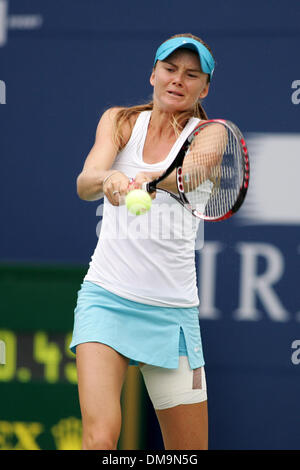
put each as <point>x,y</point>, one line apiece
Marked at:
<point>62,63</point>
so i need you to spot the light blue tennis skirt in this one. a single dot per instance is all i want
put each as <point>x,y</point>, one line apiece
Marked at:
<point>143,333</point>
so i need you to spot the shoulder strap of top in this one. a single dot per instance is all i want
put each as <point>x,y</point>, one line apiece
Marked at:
<point>140,127</point>
<point>189,127</point>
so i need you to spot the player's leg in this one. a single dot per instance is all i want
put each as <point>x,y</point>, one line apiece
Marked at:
<point>179,398</point>
<point>184,427</point>
<point>101,373</point>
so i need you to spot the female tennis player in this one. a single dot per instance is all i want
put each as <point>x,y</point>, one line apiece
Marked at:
<point>138,303</point>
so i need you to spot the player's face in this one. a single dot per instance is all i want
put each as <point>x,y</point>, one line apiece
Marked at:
<point>178,81</point>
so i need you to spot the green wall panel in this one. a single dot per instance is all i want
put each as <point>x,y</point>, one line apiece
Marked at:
<point>39,406</point>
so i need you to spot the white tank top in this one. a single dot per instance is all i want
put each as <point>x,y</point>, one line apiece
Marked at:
<point>148,258</point>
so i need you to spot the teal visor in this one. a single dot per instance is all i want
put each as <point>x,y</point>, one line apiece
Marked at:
<point>206,59</point>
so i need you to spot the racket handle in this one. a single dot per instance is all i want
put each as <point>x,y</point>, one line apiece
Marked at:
<point>149,187</point>
<point>145,187</point>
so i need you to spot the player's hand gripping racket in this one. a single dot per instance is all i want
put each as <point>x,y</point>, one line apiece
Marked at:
<point>210,174</point>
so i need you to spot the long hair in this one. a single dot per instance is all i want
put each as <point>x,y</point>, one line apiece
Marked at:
<point>125,114</point>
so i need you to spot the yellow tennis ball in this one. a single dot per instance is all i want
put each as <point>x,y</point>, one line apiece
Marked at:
<point>138,201</point>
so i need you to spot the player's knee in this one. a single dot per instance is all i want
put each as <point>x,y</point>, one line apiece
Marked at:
<point>99,440</point>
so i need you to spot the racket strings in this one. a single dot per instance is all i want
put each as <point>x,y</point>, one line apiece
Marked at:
<point>213,170</point>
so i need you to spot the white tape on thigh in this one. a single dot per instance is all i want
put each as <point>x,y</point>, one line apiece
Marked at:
<point>171,387</point>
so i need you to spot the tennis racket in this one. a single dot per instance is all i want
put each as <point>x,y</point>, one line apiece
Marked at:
<point>210,174</point>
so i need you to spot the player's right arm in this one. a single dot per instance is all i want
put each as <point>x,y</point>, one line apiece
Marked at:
<point>100,159</point>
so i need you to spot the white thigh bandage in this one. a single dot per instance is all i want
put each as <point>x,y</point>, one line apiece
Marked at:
<point>171,387</point>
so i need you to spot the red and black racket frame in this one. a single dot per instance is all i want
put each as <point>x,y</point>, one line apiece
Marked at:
<point>178,162</point>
